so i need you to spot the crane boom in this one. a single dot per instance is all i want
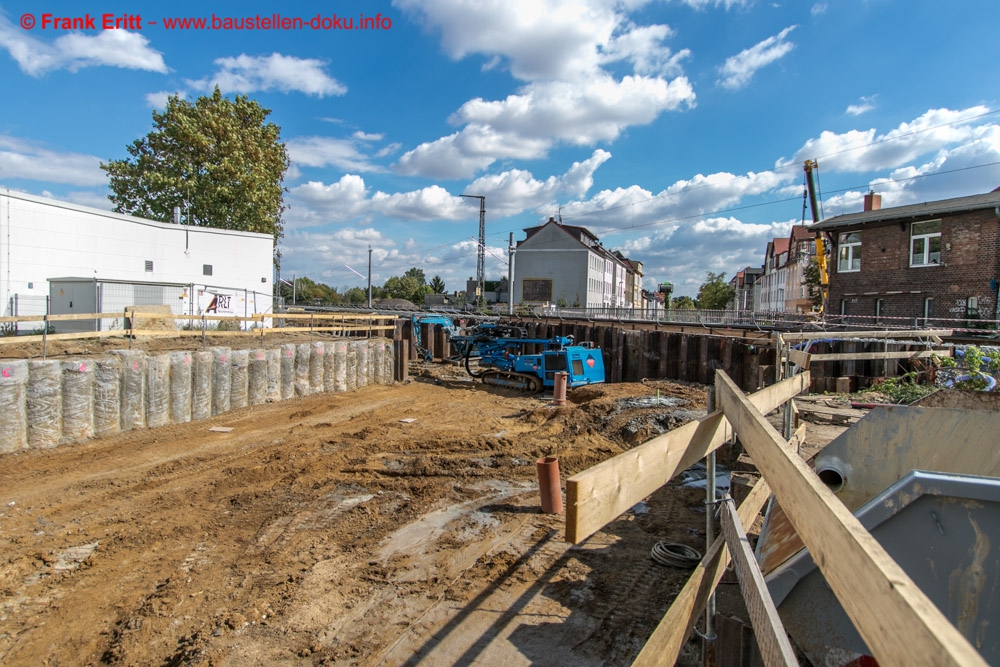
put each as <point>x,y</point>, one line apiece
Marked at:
<point>824,275</point>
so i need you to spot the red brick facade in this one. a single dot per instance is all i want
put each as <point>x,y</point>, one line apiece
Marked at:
<point>969,267</point>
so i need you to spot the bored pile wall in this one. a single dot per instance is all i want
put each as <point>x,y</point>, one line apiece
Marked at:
<point>44,404</point>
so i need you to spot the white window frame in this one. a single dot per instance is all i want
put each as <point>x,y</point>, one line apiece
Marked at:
<point>924,238</point>
<point>849,250</point>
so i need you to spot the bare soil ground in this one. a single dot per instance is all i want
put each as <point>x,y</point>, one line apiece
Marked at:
<point>328,530</point>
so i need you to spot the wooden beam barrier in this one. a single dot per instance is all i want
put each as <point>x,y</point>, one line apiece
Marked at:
<point>598,495</point>
<point>896,620</point>
<point>775,648</point>
<point>15,340</point>
<point>886,333</point>
<point>912,354</point>
<point>665,644</point>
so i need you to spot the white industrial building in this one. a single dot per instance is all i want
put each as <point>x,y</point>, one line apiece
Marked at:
<point>66,258</point>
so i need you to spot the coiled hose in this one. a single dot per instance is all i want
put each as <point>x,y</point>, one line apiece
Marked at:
<point>675,555</point>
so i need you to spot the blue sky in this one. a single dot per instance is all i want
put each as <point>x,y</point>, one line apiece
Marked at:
<point>674,129</point>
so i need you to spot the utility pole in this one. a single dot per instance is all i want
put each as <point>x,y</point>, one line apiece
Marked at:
<point>369,276</point>
<point>481,257</point>
<point>293,288</point>
<point>510,275</point>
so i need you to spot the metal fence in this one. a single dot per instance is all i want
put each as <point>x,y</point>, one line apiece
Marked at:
<point>755,319</point>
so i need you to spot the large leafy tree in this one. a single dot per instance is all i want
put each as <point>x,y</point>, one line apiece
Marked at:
<point>216,158</point>
<point>437,285</point>
<point>715,293</point>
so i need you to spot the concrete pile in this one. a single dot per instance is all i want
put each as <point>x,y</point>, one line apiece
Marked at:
<point>49,403</point>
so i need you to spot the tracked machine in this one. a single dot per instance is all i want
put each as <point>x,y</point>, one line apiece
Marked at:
<point>498,355</point>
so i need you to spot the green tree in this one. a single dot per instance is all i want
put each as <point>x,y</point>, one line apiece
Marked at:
<point>404,287</point>
<point>682,303</point>
<point>715,293</point>
<point>814,285</point>
<point>215,158</point>
<point>437,285</point>
<point>355,295</point>
<point>416,274</point>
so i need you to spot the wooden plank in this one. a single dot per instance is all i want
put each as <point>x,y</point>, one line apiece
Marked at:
<point>772,639</point>
<point>799,358</point>
<point>22,318</point>
<point>14,340</point>
<point>887,333</point>
<point>855,356</point>
<point>599,494</point>
<point>896,620</point>
<point>664,645</point>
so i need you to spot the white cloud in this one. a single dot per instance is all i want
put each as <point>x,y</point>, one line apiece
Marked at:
<point>75,50</point>
<point>364,136</point>
<point>508,193</point>
<point>327,151</point>
<point>560,49</point>
<point>316,203</point>
<point>464,153</point>
<point>158,100</point>
<point>555,40</point>
<point>864,105</point>
<point>865,151</point>
<point>597,110</point>
<point>388,149</point>
<point>527,125</point>
<point>430,203</point>
<point>248,74</point>
<point>728,4</point>
<point>516,190</point>
<point>29,160</point>
<point>818,9</point>
<point>739,69</point>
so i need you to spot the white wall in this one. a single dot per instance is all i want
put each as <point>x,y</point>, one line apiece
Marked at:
<point>44,238</point>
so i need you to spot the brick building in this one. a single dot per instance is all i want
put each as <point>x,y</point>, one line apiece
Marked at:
<point>936,260</point>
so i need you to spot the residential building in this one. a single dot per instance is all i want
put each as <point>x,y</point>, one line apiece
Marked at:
<point>744,285</point>
<point>773,281</point>
<point>938,259</point>
<point>782,285</point>
<point>801,250</point>
<point>54,250</point>
<point>559,263</point>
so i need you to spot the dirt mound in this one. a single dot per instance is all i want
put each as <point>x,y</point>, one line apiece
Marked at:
<point>389,525</point>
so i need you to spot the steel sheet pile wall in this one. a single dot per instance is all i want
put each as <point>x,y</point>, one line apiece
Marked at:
<point>631,355</point>
<point>47,403</point>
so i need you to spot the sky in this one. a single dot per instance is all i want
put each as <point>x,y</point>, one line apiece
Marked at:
<point>675,130</point>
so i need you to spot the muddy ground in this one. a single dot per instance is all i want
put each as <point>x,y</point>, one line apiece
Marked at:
<point>394,525</point>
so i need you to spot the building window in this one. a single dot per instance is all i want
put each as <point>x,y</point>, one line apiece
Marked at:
<point>849,245</point>
<point>149,265</point>
<point>206,269</point>
<point>925,243</point>
<point>972,308</point>
<point>536,290</point>
<point>879,310</point>
<point>843,306</point>
<point>928,308</point>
